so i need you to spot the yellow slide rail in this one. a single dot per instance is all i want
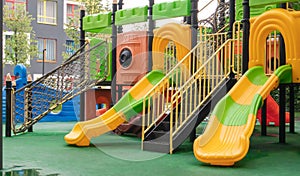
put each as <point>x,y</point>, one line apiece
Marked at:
<point>191,82</point>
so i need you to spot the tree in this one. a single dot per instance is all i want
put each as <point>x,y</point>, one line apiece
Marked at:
<point>21,45</point>
<point>72,27</point>
<point>96,6</point>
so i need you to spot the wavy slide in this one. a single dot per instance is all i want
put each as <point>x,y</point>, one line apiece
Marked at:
<point>227,136</point>
<point>128,106</point>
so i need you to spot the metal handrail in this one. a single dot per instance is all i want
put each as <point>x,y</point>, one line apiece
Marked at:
<point>166,96</point>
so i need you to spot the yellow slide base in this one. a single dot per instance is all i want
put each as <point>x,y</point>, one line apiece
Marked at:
<point>76,133</point>
<point>226,144</point>
<point>82,132</point>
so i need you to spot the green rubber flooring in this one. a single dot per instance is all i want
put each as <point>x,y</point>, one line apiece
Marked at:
<point>44,152</point>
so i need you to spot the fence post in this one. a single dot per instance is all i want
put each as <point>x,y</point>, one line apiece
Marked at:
<point>194,28</point>
<point>246,34</point>
<point>82,41</point>
<point>29,80</point>
<point>230,33</point>
<point>114,53</point>
<point>1,76</point>
<point>8,90</point>
<point>264,119</point>
<point>151,27</point>
<point>292,108</point>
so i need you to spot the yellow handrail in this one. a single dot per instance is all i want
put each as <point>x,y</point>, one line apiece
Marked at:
<point>177,94</point>
<point>201,75</point>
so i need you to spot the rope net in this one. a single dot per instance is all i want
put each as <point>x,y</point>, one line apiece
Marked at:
<point>79,73</point>
<point>217,20</point>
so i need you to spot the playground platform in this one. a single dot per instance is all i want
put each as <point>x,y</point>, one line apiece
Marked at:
<point>44,152</point>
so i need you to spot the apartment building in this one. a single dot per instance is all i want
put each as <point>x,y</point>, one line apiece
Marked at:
<point>50,17</point>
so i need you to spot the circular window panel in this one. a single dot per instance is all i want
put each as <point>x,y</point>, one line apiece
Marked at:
<point>125,58</point>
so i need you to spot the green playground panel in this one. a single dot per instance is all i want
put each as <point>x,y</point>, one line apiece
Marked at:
<point>94,57</point>
<point>133,15</point>
<point>257,7</point>
<point>171,9</point>
<point>254,3</point>
<point>96,22</point>
<point>109,77</point>
<point>105,30</point>
<point>254,11</point>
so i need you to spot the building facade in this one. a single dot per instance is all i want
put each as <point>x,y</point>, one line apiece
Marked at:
<point>50,17</point>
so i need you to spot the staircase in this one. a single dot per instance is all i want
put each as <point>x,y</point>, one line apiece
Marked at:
<point>158,139</point>
<point>177,108</point>
<point>83,70</point>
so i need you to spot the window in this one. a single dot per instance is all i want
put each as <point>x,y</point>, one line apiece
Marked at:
<point>12,4</point>
<point>47,12</point>
<point>50,46</point>
<point>72,11</point>
<point>70,45</point>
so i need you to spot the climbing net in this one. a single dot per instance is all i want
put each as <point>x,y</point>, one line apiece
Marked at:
<point>217,20</point>
<point>79,73</point>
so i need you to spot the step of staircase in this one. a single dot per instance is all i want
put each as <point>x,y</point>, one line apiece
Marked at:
<point>156,146</point>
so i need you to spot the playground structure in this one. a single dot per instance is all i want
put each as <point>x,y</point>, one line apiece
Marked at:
<point>182,7</point>
<point>236,126</point>
<point>171,53</point>
<point>93,23</point>
<point>188,75</point>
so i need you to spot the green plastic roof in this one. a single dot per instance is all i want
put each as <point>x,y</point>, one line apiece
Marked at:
<point>253,3</point>
<point>171,9</point>
<point>133,15</point>
<point>97,22</point>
